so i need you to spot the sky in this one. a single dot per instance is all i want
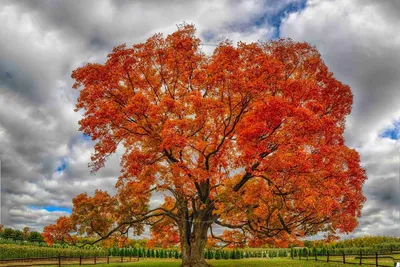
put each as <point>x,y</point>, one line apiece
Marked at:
<point>43,155</point>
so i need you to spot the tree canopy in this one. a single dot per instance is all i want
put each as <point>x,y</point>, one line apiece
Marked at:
<point>249,138</point>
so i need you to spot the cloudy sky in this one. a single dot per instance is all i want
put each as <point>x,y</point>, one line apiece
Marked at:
<point>43,155</point>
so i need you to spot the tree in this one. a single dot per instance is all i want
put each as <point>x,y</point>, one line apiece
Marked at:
<point>249,138</point>
<point>35,237</point>
<point>60,231</point>
<point>8,233</point>
<point>17,235</point>
<point>25,233</point>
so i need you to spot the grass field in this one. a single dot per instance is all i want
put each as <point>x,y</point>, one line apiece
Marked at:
<point>335,261</point>
<point>229,263</point>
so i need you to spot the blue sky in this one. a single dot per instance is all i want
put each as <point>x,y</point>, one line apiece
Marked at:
<point>393,132</point>
<point>276,19</point>
<point>52,208</point>
<point>62,165</point>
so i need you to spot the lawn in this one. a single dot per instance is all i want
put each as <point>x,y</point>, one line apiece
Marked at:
<point>227,263</point>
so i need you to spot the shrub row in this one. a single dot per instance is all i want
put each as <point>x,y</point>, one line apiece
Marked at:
<point>358,242</point>
<point>144,253</point>
<point>382,248</point>
<point>20,252</point>
<point>208,254</point>
<point>240,254</point>
<point>14,251</point>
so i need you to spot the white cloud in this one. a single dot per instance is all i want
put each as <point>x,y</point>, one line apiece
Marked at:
<point>359,42</point>
<point>41,43</point>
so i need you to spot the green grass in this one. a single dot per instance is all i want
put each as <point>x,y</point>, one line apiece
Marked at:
<point>228,263</point>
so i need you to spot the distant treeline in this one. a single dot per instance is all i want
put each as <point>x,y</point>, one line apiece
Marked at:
<point>376,248</point>
<point>34,238</point>
<point>11,251</point>
<point>359,242</point>
<point>18,235</point>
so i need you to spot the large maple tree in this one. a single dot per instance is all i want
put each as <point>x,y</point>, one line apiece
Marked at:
<point>249,139</point>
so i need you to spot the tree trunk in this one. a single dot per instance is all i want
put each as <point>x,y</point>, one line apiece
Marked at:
<point>193,248</point>
<point>193,231</point>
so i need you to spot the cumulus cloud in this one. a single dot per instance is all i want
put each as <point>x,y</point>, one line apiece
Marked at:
<point>359,42</point>
<point>44,156</point>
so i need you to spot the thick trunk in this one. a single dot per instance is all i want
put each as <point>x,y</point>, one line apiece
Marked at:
<point>193,248</point>
<point>193,231</point>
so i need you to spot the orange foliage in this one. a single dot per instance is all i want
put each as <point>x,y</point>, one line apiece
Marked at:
<point>60,231</point>
<point>163,235</point>
<point>249,138</point>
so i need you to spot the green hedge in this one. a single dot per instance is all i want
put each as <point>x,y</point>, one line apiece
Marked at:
<point>381,248</point>
<point>9,251</point>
